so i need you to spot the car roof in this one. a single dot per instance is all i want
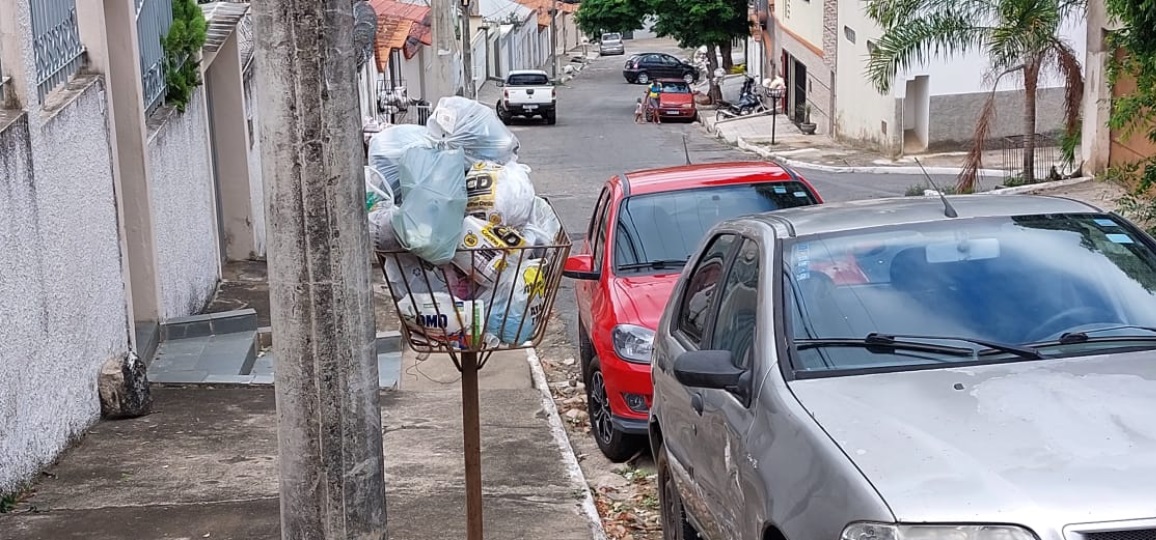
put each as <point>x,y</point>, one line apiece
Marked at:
<point>659,180</point>
<point>671,80</point>
<point>862,214</point>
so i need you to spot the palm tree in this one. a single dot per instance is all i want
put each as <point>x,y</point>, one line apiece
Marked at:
<point>1019,37</point>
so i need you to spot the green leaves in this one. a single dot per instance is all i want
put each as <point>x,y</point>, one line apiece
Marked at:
<point>694,23</point>
<point>596,17</point>
<point>182,47</point>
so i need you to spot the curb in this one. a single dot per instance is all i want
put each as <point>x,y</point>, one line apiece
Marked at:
<point>1032,188</point>
<point>558,430</point>
<point>877,169</point>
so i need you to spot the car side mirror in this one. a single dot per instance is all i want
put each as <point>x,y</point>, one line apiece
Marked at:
<point>710,369</point>
<point>499,84</point>
<point>580,267</point>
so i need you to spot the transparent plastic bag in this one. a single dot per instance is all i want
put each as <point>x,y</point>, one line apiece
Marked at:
<point>500,194</point>
<point>433,194</point>
<point>483,250</point>
<point>467,124</point>
<point>386,148</point>
<point>519,301</point>
<point>543,226</point>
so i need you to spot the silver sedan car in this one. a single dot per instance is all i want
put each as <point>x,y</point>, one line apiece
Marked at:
<point>967,368</point>
<point>611,43</point>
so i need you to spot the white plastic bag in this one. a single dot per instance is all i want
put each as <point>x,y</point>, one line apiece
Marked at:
<point>440,317</point>
<point>483,252</point>
<point>386,148</point>
<point>433,194</point>
<point>467,124</point>
<point>543,226</point>
<point>501,194</point>
<point>518,301</point>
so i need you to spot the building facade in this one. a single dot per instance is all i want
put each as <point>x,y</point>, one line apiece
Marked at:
<point>116,209</point>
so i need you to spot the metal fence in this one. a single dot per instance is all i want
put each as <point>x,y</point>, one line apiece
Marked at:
<point>1047,155</point>
<point>153,19</point>
<point>55,43</point>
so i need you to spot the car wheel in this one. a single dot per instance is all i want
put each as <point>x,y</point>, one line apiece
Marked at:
<point>643,77</point>
<point>675,526</point>
<point>689,78</point>
<point>551,119</point>
<point>615,445</point>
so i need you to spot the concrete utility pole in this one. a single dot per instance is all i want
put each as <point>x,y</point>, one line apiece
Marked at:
<point>467,53</point>
<point>554,40</point>
<point>328,415</point>
<point>445,44</point>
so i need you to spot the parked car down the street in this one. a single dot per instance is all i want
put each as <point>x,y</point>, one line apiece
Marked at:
<point>641,68</point>
<point>676,101</point>
<point>528,93</point>
<point>644,226</point>
<point>911,368</point>
<point>611,44</point>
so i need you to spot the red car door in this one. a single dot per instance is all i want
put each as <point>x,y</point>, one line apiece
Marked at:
<point>585,291</point>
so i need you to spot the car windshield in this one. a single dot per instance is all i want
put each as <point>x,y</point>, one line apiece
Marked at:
<point>528,79</point>
<point>675,88</point>
<point>662,228</point>
<point>1029,285</point>
<point>611,37</point>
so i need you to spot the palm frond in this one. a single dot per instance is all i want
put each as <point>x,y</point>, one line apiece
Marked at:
<point>968,179</point>
<point>1063,58</point>
<point>917,41</point>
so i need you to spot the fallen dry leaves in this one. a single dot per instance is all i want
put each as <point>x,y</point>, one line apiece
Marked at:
<point>629,510</point>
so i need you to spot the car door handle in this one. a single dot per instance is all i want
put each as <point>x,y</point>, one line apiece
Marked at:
<point>696,403</point>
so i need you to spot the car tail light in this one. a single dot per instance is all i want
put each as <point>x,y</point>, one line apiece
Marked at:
<point>553,93</point>
<point>506,94</point>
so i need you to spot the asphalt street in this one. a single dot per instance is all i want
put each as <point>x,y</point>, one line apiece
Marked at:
<point>596,138</point>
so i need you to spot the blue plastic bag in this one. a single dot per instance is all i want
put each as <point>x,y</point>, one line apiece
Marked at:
<point>428,222</point>
<point>519,301</point>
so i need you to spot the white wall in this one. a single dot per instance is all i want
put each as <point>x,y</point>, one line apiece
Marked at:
<point>184,211</point>
<point>62,298</point>
<point>413,73</point>
<point>256,187</point>
<point>802,17</point>
<point>860,110</point>
<point>478,59</point>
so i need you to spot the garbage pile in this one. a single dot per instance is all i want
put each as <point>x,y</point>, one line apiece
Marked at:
<point>464,231</point>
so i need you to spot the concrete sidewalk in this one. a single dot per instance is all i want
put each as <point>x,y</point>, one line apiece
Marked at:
<point>204,465</point>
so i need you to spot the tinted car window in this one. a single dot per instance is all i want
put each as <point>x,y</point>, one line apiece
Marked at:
<point>612,37</point>
<point>736,322</point>
<point>1024,280</point>
<point>528,79</point>
<point>669,226</point>
<point>699,296</point>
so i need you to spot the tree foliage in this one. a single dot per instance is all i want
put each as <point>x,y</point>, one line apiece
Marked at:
<point>1017,36</point>
<point>694,23</point>
<point>1135,42</point>
<point>596,17</point>
<point>182,46</point>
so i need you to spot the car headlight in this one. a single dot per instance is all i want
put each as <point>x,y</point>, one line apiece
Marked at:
<point>884,531</point>
<point>633,343</point>
<point>688,105</point>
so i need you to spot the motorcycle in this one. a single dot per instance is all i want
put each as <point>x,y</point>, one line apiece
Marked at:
<point>748,103</point>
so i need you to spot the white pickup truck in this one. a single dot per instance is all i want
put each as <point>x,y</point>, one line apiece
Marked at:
<point>528,93</point>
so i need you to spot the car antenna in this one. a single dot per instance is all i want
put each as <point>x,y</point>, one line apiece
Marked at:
<point>685,150</point>
<point>948,210</point>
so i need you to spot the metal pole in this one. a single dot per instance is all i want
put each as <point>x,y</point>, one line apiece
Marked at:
<point>554,40</point>
<point>467,52</point>
<point>472,439</point>
<point>328,415</point>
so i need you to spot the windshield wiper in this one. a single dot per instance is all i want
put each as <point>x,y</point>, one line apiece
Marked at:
<point>660,264</point>
<point>892,342</point>
<point>1069,338</point>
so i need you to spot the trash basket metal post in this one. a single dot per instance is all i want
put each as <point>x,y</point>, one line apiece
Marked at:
<point>472,348</point>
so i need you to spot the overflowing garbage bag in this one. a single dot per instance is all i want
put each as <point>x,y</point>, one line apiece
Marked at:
<point>468,245</point>
<point>459,122</point>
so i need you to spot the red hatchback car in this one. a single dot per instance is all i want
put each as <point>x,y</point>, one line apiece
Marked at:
<point>644,227</point>
<point>676,101</point>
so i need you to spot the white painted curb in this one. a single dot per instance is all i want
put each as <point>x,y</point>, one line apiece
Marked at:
<point>878,169</point>
<point>558,430</point>
<point>1032,188</point>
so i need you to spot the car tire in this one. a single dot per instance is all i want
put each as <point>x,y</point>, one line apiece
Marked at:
<point>675,526</point>
<point>643,77</point>
<point>551,119</point>
<point>689,78</point>
<point>615,445</point>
